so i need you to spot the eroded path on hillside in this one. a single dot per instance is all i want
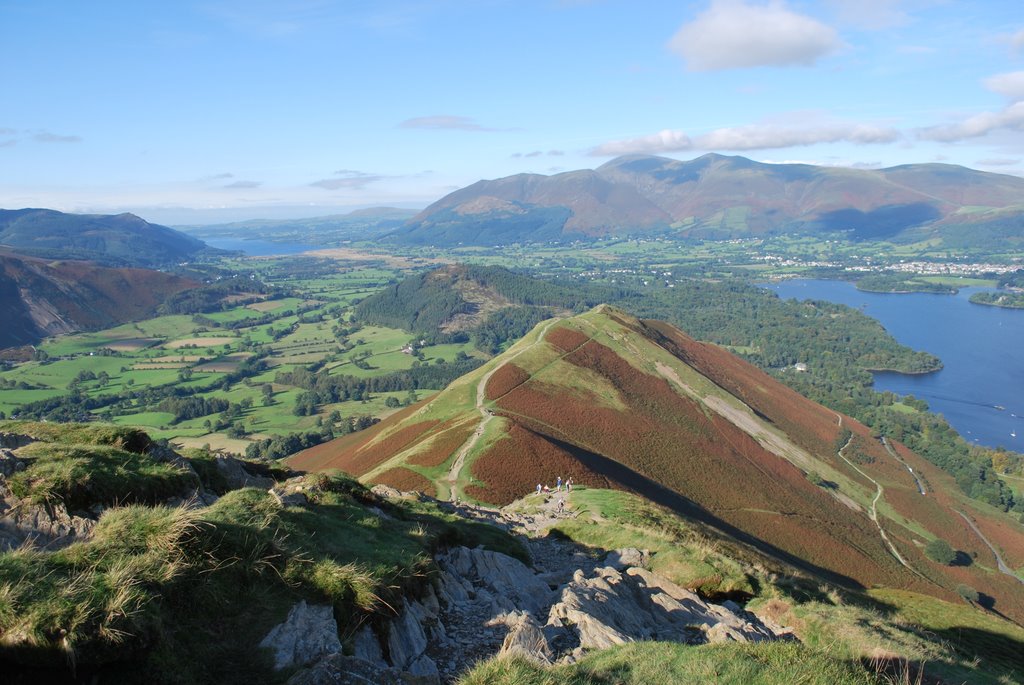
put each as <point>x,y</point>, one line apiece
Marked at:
<point>1000,563</point>
<point>485,414</point>
<point>873,512</point>
<point>890,450</point>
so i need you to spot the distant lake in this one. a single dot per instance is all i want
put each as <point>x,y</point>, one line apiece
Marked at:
<point>982,349</point>
<point>259,248</point>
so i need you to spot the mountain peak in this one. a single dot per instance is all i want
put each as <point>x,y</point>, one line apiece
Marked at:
<point>720,196</point>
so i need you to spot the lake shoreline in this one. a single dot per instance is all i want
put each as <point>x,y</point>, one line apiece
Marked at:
<point>977,346</point>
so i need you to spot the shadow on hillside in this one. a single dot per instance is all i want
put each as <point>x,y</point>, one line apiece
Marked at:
<point>659,494</point>
<point>962,559</point>
<point>995,650</point>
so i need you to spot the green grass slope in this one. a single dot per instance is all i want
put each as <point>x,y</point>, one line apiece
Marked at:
<point>172,594</point>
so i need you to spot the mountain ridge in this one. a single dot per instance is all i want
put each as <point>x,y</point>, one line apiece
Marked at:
<point>610,399</point>
<point>111,239</point>
<point>719,196</point>
<point>41,297</point>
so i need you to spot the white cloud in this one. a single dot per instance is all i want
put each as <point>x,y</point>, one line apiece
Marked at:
<point>732,34</point>
<point>47,137</point>
<point>761,137</point>
<point>1017,40</point>
<point>538,153</point>
<point>753,137</point>
<point>243,185</point>
<point>1011,117</point>
<point>663,141</point>
<point>1009,85</point>
<point>348,179</point>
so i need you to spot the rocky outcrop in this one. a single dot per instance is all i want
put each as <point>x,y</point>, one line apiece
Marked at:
<point>45,526</point>
<point>236,477</point>
<point>526,638</point>
<point>307,635</point>
<point>9,463</point>
<point>291,493</point>
<point>621,559</point>
<point>510,584</point>
<point>13,441</point>
<point>614,607</point>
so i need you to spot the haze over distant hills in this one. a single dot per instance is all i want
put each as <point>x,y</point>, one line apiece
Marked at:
<point>111,239</point>
<point>716,196</point>
<point>321,230</point>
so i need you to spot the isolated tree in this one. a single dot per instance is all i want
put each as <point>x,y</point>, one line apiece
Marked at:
<point>939,551</point>
<point>968,593</point>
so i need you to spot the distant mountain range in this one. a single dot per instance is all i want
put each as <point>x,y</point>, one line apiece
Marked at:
<point>43,297</point>
<point>327,230</point>
<point>716,196</point>
<point>110,239</point>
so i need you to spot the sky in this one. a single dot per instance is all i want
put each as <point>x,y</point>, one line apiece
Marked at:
<point>200,111</point>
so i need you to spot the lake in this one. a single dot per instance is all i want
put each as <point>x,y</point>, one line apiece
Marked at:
<point>259,248</point>
<point>980,347</point>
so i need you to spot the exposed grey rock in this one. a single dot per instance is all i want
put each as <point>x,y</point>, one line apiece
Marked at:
<point>49,527</point>
<point>622,559</point>
<point>9,463</point>
<point>500,574</point>
<point>365,646</point>
<point>308,634</point>
<point>338,669</point>
<point>379,513</point>
<point>612,608</point>
<point>161,453</point>
<point>13,441</point>
<point>425,667</point>
<point>235,476</point>
<point>406,638</point>
<point>525,638</point>
<point>386,491</point>
<point>290,493</point>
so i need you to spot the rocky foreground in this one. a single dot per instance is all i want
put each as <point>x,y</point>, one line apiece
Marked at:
<point>481,603</point>
<point>476,604</point>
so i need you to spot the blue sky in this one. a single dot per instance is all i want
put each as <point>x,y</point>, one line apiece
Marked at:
<point>196,111</point>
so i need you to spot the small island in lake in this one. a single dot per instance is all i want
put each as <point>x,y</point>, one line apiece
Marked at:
<point>902,283</point>
<point>1012,300</point>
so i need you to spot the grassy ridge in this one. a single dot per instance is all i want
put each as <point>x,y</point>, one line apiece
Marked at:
<point>659,662</point>
<point>156,582</point>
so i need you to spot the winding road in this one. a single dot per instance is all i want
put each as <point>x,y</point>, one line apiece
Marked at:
<point>1000,564</point>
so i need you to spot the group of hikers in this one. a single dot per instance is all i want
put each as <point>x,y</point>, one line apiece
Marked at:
<point>541,488</point>
<point>558,486</point>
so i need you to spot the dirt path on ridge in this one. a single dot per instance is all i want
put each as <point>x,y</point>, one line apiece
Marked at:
<point>485,415</point>
<point>873,514</point>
